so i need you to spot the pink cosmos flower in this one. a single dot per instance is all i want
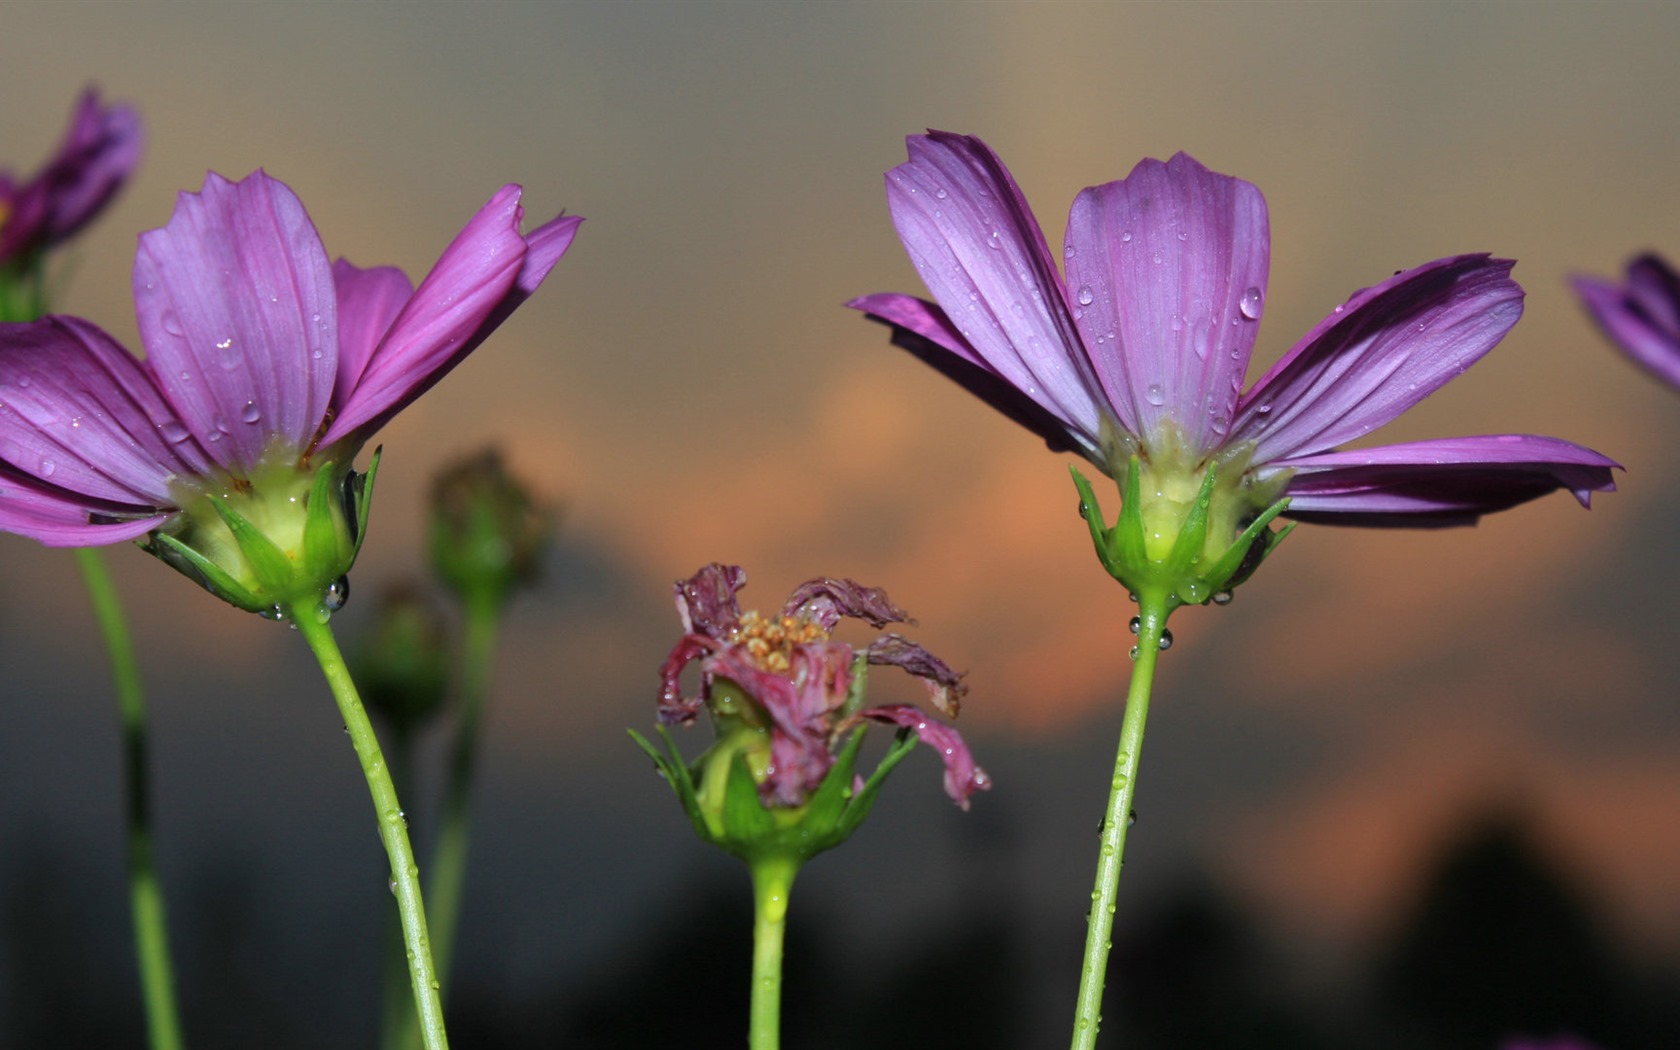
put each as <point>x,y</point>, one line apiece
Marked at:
<point>266,369</point>
<point>785,677</point>
<point>1141,349</point>
<point>1641,315</point>
<point>99,150</point>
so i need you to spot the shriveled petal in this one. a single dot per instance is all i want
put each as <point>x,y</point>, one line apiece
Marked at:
<point>674,707</point>
<point>1167,270</point>
<point>923,329</point>
<point>478,281</point>
<point>99,150</point>
<point>981,253</point>
<point>945,687</point>
<point>962,776</point>
<point>78,412</point>
<point>368,301</point>
<point>825,600</point>
<point>706,601</point>
<point>58,518</point>
<point>1641,316</point>
<point>1388,348</point>
<point>797,705</point>
<point>237,312</point>
<point>1449,481</point>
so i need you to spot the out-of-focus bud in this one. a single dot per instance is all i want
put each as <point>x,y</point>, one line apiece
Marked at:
<point>488,534</point>
<point>402,666</point>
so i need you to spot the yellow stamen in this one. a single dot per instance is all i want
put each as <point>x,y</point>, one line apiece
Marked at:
<point>770,642</point>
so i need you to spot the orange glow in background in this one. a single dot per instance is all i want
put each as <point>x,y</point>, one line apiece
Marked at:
<point>688,385</point>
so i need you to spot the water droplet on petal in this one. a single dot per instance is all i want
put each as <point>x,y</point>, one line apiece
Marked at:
<point>171,323</point>
<point>1250,304</point>
<point>173,432</point>
<point>1125,236</point>
<point>1068,252</point>
<point>250,413</point>
<point>47,468</point>
<point>1155,395</point>
<point>941,193</point>
<point>1085,295</point>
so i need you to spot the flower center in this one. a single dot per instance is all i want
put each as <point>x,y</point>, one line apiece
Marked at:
<point>771,641</point>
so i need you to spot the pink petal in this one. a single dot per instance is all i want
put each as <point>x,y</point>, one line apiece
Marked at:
<point>98,153</point>
<point>1167,272</point>
<point>237,313</point>
<point>484,274</point>
<point>706,601</point>
<point>962,776</point>
<point>980,252</point>
<point>368,301</point>
<point>60,519</point>
<point>1449,481</point>
<point>82,415</point>
<point>1388,348</point>
<point>1642,316</point>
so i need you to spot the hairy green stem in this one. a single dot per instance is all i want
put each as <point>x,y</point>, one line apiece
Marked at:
<point>393,826</point>
<point>151,930</point>
<point>1152,622</point>
<point>772,878</point>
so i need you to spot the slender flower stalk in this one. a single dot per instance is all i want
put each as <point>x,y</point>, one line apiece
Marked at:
<point>393,823</point>
<point>1135,360</point>
<point>151,926</point>
<point>778,786</point>
<point>1641,314</point>
<point>230,449</point>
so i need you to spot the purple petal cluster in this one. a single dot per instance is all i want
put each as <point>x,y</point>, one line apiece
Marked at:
<point>260,352</point>
<point>798,679</point>
<point>1142,347</point>
<point>100,149</point>
<point>1641,314</point>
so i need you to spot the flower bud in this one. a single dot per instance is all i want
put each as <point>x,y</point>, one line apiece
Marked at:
<point>402,666</point>
<point>488,534</point>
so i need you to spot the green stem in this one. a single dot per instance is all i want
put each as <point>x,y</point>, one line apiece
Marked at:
<point>151,930</point>
<point>450,865</point>
<point>449,861</point>
<point>399,1027</point>
<point>393,826</point>
<point>772,881</point>
<point>1152,621</point>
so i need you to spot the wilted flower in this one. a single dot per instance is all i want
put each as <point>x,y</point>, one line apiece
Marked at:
<point>1136,359</point>
<point>1641,315</point>
<point>266,369</point>
<point>100,149</point>
<point>787,701</point>
<point>488,532</point>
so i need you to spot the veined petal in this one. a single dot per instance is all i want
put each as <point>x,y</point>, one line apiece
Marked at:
<point>1448,481</point>
<point>982,255</point>
<point>79,413</point>
<point>945,687</point>
<point>1641,316</point>
<point>962,776</point>
<point>368,301</point>
<point>922,328</point>
<point>484,274</point>
<point>58,518</point>
<point>825,600</point>
<point>706,601</point>
<point>1167,268</point>
<point>237,312</point>
<point>1388,348</point>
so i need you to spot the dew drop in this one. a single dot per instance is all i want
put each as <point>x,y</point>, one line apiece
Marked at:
<point>941,193</point>
<point>1155,395</point>
<point>47,468</point>
<point>995,241</point>
<point>1085,295</point>
<point>1263,409</point>
<point>1134,653</point>
<point>1222,597</point>
<point>1183,235</point>
<point>336,594</point>
<point>1068,252</point>
<point>1157,258</point>
<point>1125,236</point>
<point>1136,625</point>
<point>1249,304</point>
<point>1177,325</point>
<point>1131,818</point>
<point>23,382</point>
<point>249,413</point>
<point>1166,639</point>
<point>171,323</point>
<point>1082,509</point>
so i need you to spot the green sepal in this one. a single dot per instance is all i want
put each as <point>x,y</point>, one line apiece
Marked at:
<point>1237,564</point>
<point>1091,511</point>
<point>274,572</point>
<point>677,774</point>
<point>904,742</point>
<point>204,572</point>
<point>1127,544</point>
<point>320,530</point>
<point>362,500</point>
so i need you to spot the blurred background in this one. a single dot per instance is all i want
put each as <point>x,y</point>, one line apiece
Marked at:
<point>1422,784</point>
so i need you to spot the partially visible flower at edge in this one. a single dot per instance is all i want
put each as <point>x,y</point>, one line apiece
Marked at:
<point>784,683</point>
<point>267,368</point>
<point>99,151</point>
<point>1641,315</point>
<point>1136,359</point>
